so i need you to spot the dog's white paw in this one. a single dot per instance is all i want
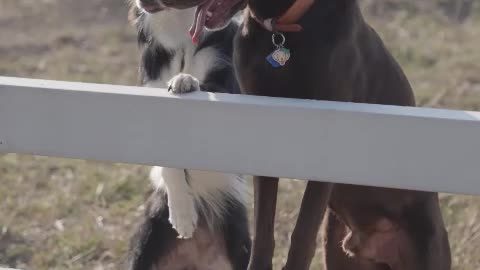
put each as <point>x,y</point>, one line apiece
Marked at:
<point>183,216</point>
<point>183,83</point>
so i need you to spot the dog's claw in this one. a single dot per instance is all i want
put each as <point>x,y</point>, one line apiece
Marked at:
<point>183,83</point>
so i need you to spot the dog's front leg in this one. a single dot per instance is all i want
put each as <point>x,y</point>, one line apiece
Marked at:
<point>265,203</point>
<point>183,83</point>
<point>304,236</point>
<point>181,202</point>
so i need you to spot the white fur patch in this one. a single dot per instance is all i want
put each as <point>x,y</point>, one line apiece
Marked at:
<point>181,201</point>
<point>208,191</point>
<point>170,27</point>
<point>183,83</point>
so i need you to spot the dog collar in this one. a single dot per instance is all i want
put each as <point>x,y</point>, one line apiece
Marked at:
<point>284,23</point>
<point>287,21</point>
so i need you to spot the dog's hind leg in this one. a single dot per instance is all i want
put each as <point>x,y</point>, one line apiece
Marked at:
<point>265,200</point>
<point>335,258</point>
<point>303,239</point>
<point>154,237</point>
<point>237,235</point>
<point>397,230</point>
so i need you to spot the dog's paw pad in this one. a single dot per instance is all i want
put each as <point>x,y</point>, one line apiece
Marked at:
<point>183,83</point>
<point>183,217</point>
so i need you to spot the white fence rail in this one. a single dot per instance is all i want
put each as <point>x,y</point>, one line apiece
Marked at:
<point>388,146</point>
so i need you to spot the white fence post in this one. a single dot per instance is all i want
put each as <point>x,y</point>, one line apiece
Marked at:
<point>411,148</point>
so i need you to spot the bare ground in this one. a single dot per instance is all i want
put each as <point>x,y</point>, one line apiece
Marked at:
<point>73,214</point>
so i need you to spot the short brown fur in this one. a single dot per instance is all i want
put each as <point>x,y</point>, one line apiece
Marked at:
<point>339,57</point>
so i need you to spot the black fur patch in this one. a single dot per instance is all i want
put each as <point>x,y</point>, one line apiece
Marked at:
<point>237,235</point>
<point>154,236</point>
<point>154,58</point>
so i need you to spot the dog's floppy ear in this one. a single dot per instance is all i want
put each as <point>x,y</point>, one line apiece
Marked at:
<point>133,14</point>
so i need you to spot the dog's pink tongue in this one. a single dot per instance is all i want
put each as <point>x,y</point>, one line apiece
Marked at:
<point>194,24</point>
<point>198,25</point>
<point>197,28</point>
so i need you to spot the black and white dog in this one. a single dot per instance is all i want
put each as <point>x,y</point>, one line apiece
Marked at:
<point>193,219</point>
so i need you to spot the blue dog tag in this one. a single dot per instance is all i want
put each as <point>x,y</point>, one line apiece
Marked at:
<point>272,61</point>
<point>279,57</point>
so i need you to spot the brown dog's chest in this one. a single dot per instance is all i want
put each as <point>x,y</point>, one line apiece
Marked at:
<point>331,59</point>
<point>305,74</point>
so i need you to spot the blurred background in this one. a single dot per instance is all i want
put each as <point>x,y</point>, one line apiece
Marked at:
<point>72,214</point>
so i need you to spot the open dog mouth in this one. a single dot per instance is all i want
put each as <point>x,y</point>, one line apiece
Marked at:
<point>213,14</point>
<point>150,6</point>
<point>152,9</point>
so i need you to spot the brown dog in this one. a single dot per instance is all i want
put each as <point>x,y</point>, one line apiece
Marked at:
<point>335,55</point>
